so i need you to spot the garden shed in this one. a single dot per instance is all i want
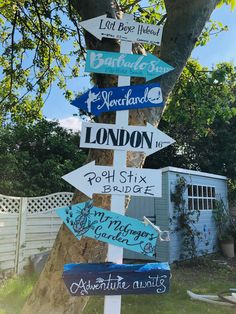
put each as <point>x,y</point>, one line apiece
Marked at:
<point>200,192</point>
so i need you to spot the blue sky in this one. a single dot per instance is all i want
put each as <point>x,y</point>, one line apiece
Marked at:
<point>221,48</point>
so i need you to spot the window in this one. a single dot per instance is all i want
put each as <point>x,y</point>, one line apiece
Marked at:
<point>201,197</point>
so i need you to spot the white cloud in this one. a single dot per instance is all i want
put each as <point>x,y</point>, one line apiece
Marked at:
<point>72,123</point>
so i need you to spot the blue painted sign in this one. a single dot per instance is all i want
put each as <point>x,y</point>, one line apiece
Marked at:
<point>115,279</point>
<point>99,100</point>
<point>148,66</point>
<point>86,220</point>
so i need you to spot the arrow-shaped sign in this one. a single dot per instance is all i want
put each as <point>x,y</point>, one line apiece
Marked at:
<point>145,139</point>
<point>86,220</point>
<point>102,26</point>
<point>99,100</point>
<point>91,179</point>
<point>124,64</point>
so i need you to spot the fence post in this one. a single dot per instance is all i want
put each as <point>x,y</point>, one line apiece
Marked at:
<point>21,233</point>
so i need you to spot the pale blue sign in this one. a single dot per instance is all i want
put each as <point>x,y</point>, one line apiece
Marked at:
<point>99,100</point>
<point>148,66</point>
<point>86,220</point>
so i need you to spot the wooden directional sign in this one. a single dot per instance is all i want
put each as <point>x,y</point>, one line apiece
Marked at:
<point>116,279</point>
<point>124,64</point>
<point>91,179</point>
<point>86,220</point>
<point>145,139</point>
<point>102,26</point>
<point>99,100</point>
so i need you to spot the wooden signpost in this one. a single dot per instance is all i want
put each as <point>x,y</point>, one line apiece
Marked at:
<point>86,220</point>
<point>126,64</point>
<point>99,100</point>
<point>91,178</point>
<point>146,139</point>
<point>113,279</point>
<point>125,30</point>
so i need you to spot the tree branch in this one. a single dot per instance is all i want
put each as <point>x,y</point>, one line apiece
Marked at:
<point>39,18</point>
<point>12,50</point>
<point>76,25</point>
<point>126,7</point>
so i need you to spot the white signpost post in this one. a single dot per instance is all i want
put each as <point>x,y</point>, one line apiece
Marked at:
<point>143,181</point>
<point>112,304</point>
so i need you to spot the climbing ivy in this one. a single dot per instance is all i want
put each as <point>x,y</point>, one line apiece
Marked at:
<point>184,221</point>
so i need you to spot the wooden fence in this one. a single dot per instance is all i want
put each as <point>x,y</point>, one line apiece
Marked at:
<point>28,226</point>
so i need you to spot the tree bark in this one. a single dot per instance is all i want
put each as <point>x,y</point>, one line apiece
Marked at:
<point>185,21</point>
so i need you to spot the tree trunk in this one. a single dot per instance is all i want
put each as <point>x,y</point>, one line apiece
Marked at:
<point>185,21</point>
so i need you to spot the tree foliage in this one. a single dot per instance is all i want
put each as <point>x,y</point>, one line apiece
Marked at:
<point>231,3</point>
<point>34,157</point>
<point>41,42</point>
<point>201,117</point>
<point>32,35</point>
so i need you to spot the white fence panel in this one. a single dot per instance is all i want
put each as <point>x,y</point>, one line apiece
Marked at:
<point>40,233</point>
<point>28,226</point>
<point>8,239</point>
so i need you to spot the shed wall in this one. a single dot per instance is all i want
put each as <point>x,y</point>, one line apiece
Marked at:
<point>139,207</point>
<point>205,225</point>
<point>162,217</point>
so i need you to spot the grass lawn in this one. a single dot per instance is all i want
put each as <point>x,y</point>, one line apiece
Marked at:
<point>14,292</point>
<point>204,277</point>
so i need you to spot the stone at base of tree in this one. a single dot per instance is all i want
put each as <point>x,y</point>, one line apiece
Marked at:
<point>38,261</point>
